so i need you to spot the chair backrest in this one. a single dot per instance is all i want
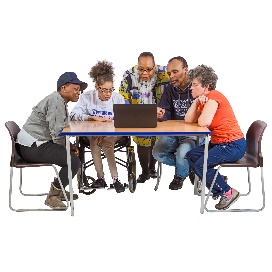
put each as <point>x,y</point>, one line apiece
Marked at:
<point>13,129</point>
<point>254,138</point>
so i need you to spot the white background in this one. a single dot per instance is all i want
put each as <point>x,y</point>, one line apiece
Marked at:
<point>147,230</point>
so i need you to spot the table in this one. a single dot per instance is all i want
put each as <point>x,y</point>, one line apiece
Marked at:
<point>169,128</point>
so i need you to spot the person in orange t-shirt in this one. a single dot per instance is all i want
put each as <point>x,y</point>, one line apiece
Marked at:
<point>227,144</point>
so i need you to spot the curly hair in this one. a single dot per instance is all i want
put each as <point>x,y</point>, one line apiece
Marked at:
<point>205,75</point>
<point>102,72</point>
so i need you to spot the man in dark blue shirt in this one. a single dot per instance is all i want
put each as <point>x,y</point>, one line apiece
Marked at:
<point>176,100</point>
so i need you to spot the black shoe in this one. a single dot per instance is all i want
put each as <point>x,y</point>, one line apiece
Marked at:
<point>191,175</point>
<point>118,186</point>
<point>176,183</point>
<point>99,183</point>
<point>153,173</point>
<point>142,178</point>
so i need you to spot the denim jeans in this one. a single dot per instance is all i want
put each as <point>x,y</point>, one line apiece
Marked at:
<point>219,153</point>
<point>171,150</point>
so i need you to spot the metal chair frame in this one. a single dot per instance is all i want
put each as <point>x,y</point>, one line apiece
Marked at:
<point>252,158</point>
<point>17,162</point>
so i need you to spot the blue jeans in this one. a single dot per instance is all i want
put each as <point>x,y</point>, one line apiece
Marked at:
<point>171,150</point>
<point>219,153</point>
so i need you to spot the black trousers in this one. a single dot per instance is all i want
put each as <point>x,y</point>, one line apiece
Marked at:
<point>50,152</point>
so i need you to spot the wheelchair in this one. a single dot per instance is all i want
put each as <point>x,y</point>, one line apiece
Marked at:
<point>123,145</point>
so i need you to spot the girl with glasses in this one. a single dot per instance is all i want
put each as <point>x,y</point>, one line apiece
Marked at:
<point>97,105</point>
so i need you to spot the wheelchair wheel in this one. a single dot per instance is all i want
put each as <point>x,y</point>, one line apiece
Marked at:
<point>132,182</point>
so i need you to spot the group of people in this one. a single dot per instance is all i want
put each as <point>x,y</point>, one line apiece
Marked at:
<point>180,94</point>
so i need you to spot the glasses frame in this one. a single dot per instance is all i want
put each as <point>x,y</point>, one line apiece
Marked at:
<point>105,91</point>
<point>148,70</point>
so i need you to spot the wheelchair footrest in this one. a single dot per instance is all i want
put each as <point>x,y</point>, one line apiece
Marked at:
<point>112,188</point>
<point>89,191</point>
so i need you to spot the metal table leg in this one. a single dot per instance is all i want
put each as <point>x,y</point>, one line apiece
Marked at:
<point>70,175</point>
<point>204,174</point>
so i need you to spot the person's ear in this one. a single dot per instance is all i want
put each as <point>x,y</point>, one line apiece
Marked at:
<point>64,88</point>
<point>96,86</point>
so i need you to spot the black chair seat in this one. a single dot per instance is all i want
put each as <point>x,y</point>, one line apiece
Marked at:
<point>20,163</point>
<point>246,161</point>
<point>252,158</point>
<point>122,142</point>
<point>17,162</point>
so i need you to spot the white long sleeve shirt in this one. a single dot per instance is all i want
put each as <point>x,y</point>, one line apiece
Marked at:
<point>89,104</point>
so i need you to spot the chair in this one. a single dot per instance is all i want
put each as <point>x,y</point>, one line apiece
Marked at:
<point>17,162</point>
<point>252,159</point>
<point>123,145</point>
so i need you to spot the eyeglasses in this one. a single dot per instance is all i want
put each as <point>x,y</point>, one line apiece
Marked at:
<point>148,70</point>
<point>105,91</point>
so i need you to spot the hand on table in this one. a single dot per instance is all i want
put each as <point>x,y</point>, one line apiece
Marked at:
<point>100,119</point>
<point>160,112</point>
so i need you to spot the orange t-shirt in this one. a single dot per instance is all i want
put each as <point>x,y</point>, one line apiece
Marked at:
<point>224,127</point>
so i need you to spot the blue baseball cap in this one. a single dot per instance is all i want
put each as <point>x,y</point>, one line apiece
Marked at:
<point>71,77</point>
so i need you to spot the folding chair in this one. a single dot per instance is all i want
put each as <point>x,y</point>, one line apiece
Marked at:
<point>17,162</point>
<point>252,159</point>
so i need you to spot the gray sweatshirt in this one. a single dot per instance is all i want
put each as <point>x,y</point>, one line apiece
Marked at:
<point>45,122</point>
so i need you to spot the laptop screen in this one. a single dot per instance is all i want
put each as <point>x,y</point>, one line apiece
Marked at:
<point>135,115</point>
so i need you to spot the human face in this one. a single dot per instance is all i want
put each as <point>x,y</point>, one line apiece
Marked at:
<point>146,68</point>
<point>177,74</point>
<point>197,88</point>
<point>105,90</point>
<point>70,92</point>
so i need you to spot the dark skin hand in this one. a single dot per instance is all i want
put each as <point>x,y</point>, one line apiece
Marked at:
<point>74,149</point>
<point>100,140</point>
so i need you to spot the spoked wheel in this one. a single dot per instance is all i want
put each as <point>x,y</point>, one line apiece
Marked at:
<point>132,182</point>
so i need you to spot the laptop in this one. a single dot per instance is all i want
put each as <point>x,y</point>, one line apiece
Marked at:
<point>135,115</point>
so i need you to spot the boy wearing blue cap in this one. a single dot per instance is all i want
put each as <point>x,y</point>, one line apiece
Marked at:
<point>39,140</point>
